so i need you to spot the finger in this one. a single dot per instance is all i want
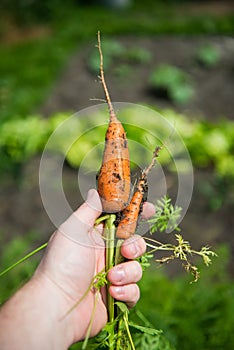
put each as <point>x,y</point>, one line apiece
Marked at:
<point>91,209</point>
<point>133,247</point>
<point>78,225</point>
<point>129,293</point>
<point>125,273</point>
<point>148,210</point>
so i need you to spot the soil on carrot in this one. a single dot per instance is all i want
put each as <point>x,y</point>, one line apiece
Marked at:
<point>21,209</point>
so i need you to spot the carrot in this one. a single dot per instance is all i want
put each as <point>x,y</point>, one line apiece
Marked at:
<point>128,223</point>
<point>114,176</point>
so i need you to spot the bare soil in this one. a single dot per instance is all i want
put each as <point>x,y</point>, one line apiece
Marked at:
<point>214,86</point>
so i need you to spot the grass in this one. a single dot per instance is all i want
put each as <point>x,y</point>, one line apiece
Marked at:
<point>13,251</point>
<point>26,80</point>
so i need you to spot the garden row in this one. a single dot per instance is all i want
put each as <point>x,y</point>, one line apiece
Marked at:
<point>168,80</point>
<point>209,144</point>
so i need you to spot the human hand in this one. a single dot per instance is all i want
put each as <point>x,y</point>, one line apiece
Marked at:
<point>75,254</point>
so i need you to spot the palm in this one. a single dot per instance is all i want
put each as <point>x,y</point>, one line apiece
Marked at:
<point>74,277</point>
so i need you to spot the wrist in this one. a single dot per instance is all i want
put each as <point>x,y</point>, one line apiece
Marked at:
<point>54,307</point>
<point>33,318</point>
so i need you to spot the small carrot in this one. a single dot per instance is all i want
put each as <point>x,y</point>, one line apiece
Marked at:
<point>114,176</point>
<point>128,223</point>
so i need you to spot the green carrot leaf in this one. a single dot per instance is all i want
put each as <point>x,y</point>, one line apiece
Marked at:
<point>122,306</point>
<point>166,217</point>
<point>146,330</point>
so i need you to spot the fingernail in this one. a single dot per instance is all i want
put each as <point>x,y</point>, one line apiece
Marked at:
<point>93,200</point>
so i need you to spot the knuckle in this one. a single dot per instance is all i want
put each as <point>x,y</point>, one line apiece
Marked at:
<point>137,271</point>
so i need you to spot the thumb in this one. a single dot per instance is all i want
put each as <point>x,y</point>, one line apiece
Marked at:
<point>81,222</point>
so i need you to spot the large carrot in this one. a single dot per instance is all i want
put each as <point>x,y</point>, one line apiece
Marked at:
<point>128,223</point>
<point>114,176</point>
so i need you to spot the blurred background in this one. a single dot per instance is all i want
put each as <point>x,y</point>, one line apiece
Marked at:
<point>175,57</point>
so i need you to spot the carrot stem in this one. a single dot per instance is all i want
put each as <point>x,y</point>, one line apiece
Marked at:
<point>113,257</point>
<point>101,219</point>
<point>118,257</point>
<point>109,234</point>
<point>91,322</point>
<point>125,318</point>
<point>110,253</point>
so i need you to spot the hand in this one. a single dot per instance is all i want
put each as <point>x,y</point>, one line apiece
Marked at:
<point>75,254</point>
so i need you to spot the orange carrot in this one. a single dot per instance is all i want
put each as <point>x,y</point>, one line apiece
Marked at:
<point>114,176</point>
<point>128,223</point>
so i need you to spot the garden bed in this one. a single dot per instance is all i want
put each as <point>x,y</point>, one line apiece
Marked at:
<point>21,207</point>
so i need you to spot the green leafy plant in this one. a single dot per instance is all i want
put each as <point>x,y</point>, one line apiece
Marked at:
<point>208,55</point>
<point>210,146</point>
<point>123,71</point>
<point>137,55</point>
<point>111,49</point>
<point>21,139</point>
<point>114,52</point>
<point>205,307</point>
<point>174,82</point>
<point>166,217</point>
